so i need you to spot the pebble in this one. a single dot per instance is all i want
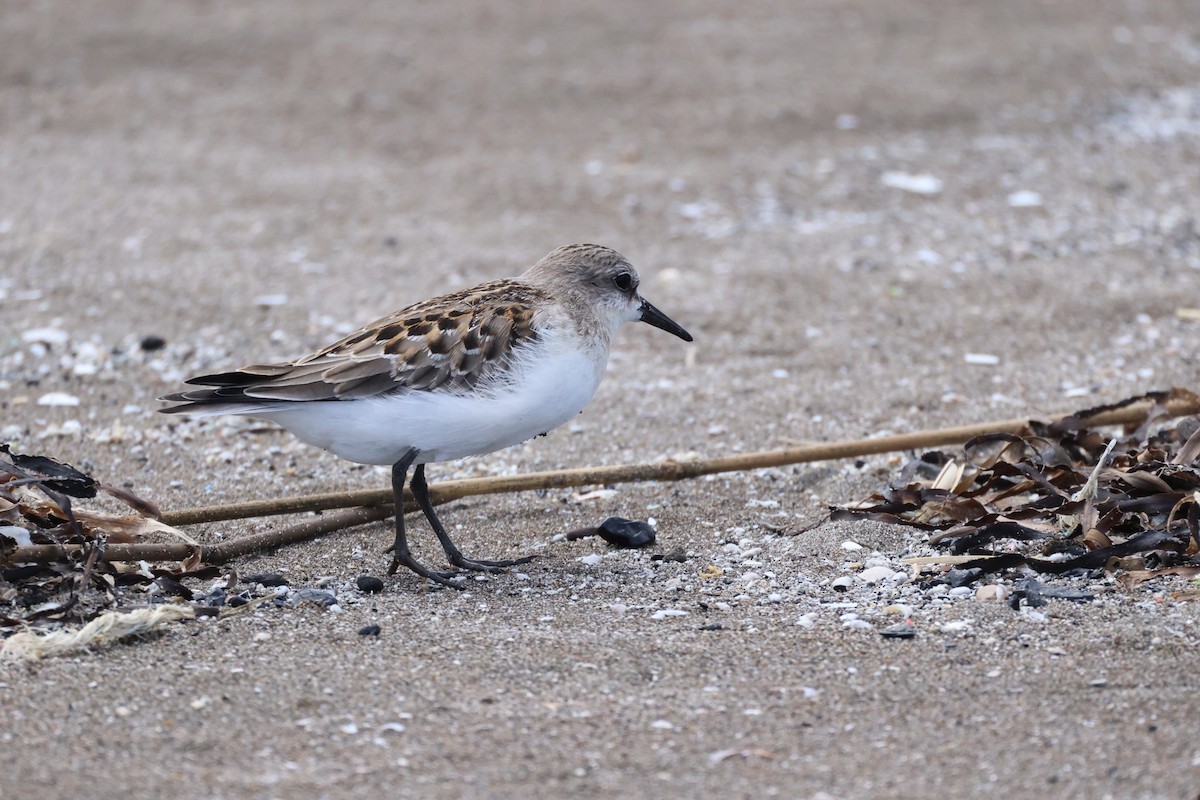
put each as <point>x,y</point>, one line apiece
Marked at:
<point>369,630</point>
<point>842,584</point>
<point>369,584</point>
<point>70,428</point>
<point>962,577</point>
<point>319,596</point>
<point>923,184</point>
<point>58,399</point>
<point>1024,199</point>
<point>901,630</point>
<point>992,591</point>
<point>590,560</point>
<point>850,546</point>
<point>663,613</point>
<point>875,575</point>
<point>50,336</point>
<point>981,359</point>
<point>960,591</point>
<point>266,579</point>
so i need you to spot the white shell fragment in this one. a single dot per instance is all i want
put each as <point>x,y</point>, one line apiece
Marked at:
<point>1024,199</point>
<point>982,359</point>
<point>58,399</point>
<point>924,184</point>
<point>51,336</point>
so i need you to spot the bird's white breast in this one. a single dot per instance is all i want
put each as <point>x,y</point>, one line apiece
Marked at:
<point>548,386</point>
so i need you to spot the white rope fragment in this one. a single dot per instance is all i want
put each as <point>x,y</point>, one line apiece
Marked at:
<point>104,629</point>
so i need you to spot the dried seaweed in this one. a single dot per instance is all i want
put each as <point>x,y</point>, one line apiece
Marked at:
<point>41,503</point>
<point>1060,497</point>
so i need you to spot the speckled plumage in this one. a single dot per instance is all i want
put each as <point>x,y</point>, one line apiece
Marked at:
<point>449,343</point>
<point>462,374</point>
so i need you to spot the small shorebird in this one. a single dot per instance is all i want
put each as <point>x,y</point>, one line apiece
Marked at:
<point>459,375</point>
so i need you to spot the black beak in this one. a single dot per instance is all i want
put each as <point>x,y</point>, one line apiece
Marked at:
<point>658,319</point>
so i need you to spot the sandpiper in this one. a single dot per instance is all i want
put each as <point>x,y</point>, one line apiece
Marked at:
<point>459,375</point>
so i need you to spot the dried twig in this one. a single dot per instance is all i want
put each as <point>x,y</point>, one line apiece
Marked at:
<point>664,471</point>
<point>376,504</point>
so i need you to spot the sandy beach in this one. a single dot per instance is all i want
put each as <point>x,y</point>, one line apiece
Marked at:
<point>874,218</point>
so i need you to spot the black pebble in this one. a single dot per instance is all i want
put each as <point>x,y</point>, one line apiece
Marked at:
<point>369,584</point>
<point>626,532</point>
<point>266,579</point>
<point>712,626</point>
<point>369,630</point>
<point>963,577</point>
<point>152,343</point>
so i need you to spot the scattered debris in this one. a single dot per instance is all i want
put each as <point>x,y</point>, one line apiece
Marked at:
<point>1057,498</point>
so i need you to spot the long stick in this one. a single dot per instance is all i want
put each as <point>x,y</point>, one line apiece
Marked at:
<point>210,554</point>
<point>376,504</point>
<point>446,491</point>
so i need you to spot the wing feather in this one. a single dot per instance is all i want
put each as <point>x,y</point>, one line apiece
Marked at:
<point>450,343</point>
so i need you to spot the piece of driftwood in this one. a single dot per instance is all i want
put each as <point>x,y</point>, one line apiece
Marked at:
<point>376,504</point>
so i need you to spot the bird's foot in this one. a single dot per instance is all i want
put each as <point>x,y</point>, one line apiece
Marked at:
<point>484,565</point>
<point>442,578</point>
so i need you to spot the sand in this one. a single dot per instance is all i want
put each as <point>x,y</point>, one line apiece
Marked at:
<point>841,201</point>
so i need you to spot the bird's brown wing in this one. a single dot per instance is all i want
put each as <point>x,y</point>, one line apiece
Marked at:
<point>449,343</point>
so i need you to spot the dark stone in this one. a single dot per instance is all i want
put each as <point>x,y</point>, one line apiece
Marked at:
<point>963,577</point>
<point>267,579</point>
<point>369,584</point>
<point>621,532</point>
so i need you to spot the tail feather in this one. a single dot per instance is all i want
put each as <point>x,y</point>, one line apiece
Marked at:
<point>230,395</point>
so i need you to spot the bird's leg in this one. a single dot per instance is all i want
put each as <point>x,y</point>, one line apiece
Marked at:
<point>420,490</point>
<point>399,550</point>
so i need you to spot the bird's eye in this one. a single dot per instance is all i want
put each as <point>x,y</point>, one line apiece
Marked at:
<point>624,281</point>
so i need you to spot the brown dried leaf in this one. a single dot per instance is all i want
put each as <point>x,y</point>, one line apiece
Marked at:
<point>115,525</point>
<point>1190,451</point>
<point>138,504</point>
<point>1131,579</point>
